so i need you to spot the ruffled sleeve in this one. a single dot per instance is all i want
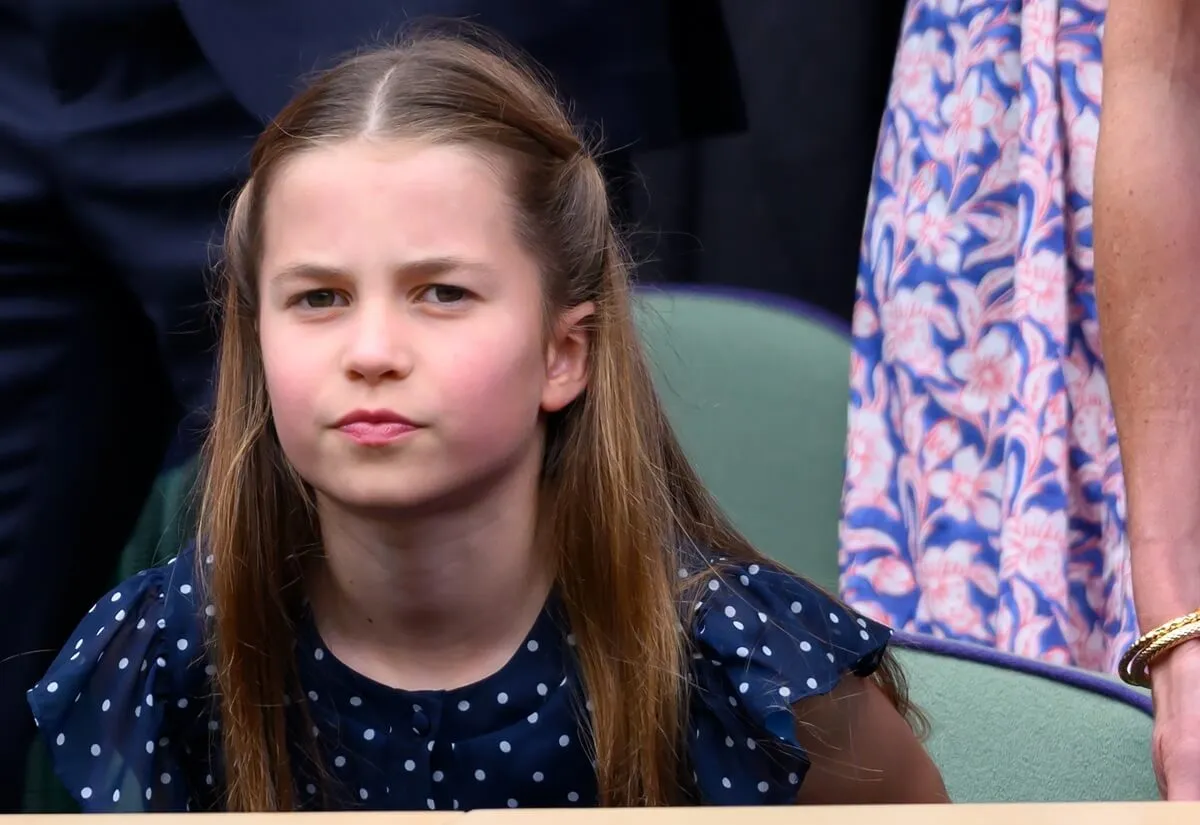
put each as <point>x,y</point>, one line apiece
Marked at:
<point>110,703</point>
<point>763,640</point>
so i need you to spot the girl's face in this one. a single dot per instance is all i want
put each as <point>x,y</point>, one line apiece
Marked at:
<point>402,326</point>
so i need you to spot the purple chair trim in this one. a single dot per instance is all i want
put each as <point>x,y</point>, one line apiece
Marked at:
<point>786,303</point>
<point>1081,679</point>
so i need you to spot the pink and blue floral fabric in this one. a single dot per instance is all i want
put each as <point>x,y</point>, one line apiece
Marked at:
<point>984,498</point>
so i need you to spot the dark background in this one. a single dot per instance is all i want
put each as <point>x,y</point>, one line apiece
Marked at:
<point>779,207</point>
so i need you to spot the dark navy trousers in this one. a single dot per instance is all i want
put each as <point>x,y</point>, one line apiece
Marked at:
<point>118,145</point>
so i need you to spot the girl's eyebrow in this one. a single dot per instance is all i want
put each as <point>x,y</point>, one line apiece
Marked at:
<point>424,267</point>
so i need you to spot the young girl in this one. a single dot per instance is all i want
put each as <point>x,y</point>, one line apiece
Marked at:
<point>451,555</point>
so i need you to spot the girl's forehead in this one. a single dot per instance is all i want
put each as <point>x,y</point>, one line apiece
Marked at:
<point>363,198</point>
<point>417,175</point>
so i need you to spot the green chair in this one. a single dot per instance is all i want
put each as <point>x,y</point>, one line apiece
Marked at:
<point>166,524</point>
<point>1006,729</point>
<point>757,387</point>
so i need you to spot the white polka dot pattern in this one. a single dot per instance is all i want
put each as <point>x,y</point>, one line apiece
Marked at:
<point>118,693</point>
<point>801,644</point>
<point>125,708</point>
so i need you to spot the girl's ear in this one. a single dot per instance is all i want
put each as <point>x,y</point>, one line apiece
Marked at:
<point>567,357</point>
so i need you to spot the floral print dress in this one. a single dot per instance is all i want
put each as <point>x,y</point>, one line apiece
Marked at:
<point>984,499</point>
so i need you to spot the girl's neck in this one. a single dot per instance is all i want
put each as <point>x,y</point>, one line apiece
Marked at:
<point>431,603</point>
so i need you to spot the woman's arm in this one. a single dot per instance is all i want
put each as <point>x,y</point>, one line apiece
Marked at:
<point>1147,237</point>
<point>1147,231</point>
<point>862,750</point>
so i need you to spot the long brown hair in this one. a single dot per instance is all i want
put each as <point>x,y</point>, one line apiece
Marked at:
<point>621,497</point>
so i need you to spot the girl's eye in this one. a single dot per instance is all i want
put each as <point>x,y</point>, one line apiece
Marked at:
<point>444,294</point>
<point>319,299</point>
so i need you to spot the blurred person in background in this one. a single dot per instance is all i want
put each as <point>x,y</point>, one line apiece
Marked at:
<point>984,499</point>
<point>779,206</point>
<point>123,126</point>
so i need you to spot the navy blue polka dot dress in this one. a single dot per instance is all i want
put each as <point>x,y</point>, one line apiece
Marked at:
<point>127,710</point>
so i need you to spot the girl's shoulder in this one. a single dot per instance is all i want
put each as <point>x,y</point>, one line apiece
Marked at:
<point>131,676</point>
<point>762,640</point>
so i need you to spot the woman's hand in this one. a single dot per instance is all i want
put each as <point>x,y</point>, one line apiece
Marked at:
<point>1176,749</point>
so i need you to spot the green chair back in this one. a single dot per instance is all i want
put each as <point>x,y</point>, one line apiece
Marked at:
<point>756,387</point>
<point>1005,729</point>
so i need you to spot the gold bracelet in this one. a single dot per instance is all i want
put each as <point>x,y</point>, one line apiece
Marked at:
<point>1134,668</point>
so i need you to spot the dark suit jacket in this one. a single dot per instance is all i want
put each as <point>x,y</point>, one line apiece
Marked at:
<point>652,72</point>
